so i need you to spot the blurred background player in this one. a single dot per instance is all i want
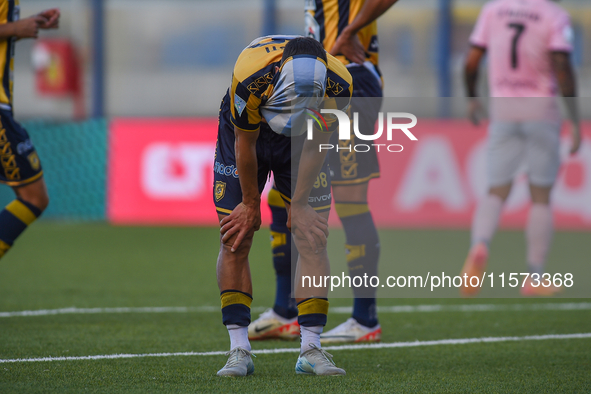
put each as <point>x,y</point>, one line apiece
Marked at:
<point>528,44</point>
<point>275,80</point>
<point>20,165</point>
<point>348,30</point>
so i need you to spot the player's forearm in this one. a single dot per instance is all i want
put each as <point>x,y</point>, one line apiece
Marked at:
<point>565,77</point>
<point>311,161</point>
<point>7,30</point>
<point>246,164</point>
<point>370,11</point>
<point>471,68</point>
<point>471,80</point>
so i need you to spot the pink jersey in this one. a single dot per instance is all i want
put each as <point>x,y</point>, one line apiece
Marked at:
<point>518,36</point>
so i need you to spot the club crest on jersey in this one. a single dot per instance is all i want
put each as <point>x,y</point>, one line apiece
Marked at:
<point>34,161</point>
<point>219,190</point>
<point>239,104</point>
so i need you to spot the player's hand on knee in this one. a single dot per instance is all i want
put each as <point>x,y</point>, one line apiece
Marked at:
<point>241,223</point>
<point>305,223</point>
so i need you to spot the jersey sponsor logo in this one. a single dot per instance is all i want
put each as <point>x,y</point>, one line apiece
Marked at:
<point>239,104</point>
<point>219,190</point>
<point>23,147</point>
<point>323,198</point>
<point>224,170</point>
<point>514,13</point>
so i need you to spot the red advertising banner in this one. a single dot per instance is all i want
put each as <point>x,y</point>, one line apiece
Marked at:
<point>437,180</point>
<point>161,172</point>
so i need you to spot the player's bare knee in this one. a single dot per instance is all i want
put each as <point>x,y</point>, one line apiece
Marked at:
<point>242,250</point>
<point>501,191</point>
<point>305,249</point>
<point>350,193</point>
<point>41,201</point>
<point>540,194</point>
<point>36,196</point>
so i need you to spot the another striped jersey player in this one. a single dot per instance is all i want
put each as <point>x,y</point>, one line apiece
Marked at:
<point>20,167</point>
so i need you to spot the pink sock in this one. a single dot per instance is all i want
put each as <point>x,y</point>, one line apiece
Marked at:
<point>539,236</point>
<point>486,219</point>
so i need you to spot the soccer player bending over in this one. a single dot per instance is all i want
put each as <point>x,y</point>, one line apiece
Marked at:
<point>261,129</point>
<point>528,44</point>
<point>20,167</point>
<point>348,30</point>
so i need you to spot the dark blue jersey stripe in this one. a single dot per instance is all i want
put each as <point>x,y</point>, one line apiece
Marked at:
<point>8,55</point>
<point>344,6</point>
<point>319,16</point>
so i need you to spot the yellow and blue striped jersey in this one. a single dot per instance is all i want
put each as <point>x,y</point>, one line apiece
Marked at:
<point>255,76</point>
<point>9,12</point>
<point>325,19</point>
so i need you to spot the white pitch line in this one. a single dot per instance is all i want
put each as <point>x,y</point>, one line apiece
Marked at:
<point>571,306</point>
<point>83,311</point>
<point>462,341</point>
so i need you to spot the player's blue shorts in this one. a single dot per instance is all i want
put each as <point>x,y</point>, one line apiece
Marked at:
<point>19,163</point>
<point>274,154</point>
<point>353,168</point>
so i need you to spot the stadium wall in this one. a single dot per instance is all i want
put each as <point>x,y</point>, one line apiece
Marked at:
<point>162,55</point>
<point>129,172</point>
<point>74,161</point>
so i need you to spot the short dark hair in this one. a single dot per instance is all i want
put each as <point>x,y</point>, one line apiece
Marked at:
<point>304,46</point>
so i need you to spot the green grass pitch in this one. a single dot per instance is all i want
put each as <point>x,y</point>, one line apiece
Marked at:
<point>57,265</point>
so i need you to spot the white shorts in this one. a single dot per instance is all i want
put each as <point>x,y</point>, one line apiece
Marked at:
<point>512,144</point>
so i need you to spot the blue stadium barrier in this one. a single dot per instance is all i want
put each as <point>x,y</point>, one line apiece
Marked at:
<point>74,160</point>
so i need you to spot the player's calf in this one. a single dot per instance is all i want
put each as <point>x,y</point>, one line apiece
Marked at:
<point>14,220</point>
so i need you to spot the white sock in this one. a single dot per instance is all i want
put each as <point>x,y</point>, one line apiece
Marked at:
<point>486,219</point>
<point>238,336</point>
<point>539,236</point>
<point>309,335</point>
